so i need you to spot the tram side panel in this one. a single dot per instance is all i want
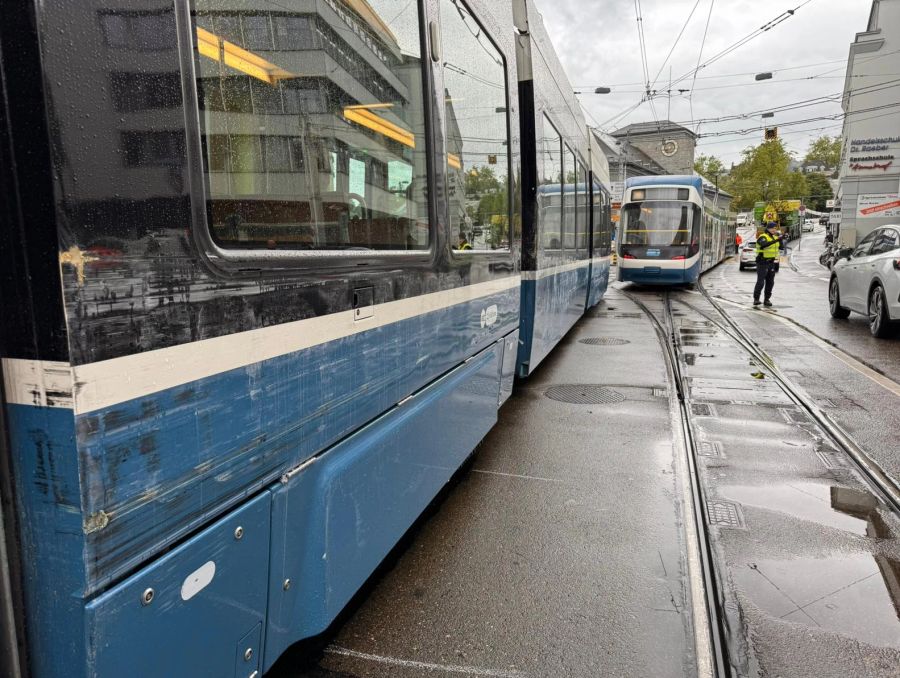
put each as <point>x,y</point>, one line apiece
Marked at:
<point>556,268</point>
<point>223,329</point>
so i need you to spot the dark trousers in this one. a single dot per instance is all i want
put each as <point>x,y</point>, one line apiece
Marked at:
<point>765,276</point>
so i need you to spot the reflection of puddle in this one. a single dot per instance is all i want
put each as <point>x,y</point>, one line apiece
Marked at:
<point>856,596</point>
<point>809,501</point>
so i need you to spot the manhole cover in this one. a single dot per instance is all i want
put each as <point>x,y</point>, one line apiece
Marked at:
<point>703,410</point>
<point>584,394</point>
<point>603,341</point>
<point>709,449</point>
<point>724,513</point>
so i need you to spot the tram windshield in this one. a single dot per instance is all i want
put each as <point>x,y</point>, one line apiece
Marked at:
<point>662,223</point>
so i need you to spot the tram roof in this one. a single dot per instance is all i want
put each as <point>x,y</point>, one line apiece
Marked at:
<point>668,180</point>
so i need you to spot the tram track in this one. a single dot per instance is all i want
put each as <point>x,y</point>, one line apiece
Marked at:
<point>722,658</point>
<point>710,632</point>
<point>868,467</point>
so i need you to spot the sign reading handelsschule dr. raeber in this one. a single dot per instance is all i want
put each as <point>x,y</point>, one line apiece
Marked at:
<point>878,205</point>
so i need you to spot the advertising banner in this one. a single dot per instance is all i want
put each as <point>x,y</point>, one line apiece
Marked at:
<point>871,206</point>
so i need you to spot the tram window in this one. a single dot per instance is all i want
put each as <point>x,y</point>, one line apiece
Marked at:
<point>570,215</point>
<point>597,218</point>
<point>301,158</point>
<point>582,202</point>
<point>550,191</point>
<point>477,132</point>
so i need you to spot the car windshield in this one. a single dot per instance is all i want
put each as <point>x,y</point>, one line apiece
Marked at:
<point>661,223</point>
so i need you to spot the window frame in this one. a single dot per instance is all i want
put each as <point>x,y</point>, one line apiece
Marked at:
<point>505,251</point>
<point>547,120</point>
<point>234,262</point>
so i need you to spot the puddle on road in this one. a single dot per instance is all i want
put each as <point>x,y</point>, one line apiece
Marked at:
<point>838,507</point>
<point>856,594</point>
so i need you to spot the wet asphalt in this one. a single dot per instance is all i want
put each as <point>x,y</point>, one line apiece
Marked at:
<point>560,549</point>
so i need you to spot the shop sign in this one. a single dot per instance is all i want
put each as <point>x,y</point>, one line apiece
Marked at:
<point>873,154</point>
<point>870,206</point>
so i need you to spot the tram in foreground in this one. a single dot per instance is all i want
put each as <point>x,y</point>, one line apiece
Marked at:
<point>268,273</point>
<point>671,230</point>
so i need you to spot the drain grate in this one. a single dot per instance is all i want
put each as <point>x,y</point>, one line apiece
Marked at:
<point>709,449</point>
<point>603,341</point>
<point>584,394</point>
<point>793,416</point>
<point>703,410</point>
<point>724,513</point>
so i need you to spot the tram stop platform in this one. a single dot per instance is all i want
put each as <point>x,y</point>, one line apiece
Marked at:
<point>559,550</point>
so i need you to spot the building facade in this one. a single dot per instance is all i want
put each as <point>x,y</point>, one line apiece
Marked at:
<point>666,143</point>
<point>869,181</point>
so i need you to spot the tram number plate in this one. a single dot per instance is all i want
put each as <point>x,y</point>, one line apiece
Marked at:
<point>652,253</point>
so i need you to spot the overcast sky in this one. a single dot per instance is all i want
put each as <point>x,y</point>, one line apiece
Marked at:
<point>597,41</point>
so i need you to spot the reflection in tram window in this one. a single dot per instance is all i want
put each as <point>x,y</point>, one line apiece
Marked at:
<point>569,199</point>
<point>581,208</point>
<point>477,137</point>
<point>313,125</point>
<point>549,193</point>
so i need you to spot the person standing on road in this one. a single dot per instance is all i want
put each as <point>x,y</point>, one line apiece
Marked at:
<point>767,250</point>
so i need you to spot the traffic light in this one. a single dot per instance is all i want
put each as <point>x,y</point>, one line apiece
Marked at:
<point>771,133</point>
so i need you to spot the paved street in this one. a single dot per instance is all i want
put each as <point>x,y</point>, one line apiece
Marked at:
<point>563,549</point>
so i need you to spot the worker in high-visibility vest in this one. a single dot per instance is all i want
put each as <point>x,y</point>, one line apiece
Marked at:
<point>768,247</point>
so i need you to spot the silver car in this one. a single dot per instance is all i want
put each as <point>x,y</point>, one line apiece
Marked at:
<point>866,280</point>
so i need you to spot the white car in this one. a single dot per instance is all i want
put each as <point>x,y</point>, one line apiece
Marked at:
<point>748,256</point>
<point>809,225</point>
<point>867,280</point>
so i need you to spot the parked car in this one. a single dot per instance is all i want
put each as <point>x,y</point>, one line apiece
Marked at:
<point>866,280</point>
<point>748,256</point>
<point>809,225</point>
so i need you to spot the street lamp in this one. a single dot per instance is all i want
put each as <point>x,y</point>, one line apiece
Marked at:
<point>602,90</point>
<point>768,115</point>
<point>763,76</point>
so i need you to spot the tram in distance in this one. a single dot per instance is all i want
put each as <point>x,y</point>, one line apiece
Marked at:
<point>267,276</point>
<point>672,230</point>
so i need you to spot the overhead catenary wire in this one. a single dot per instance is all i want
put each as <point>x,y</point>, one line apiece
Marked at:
<point>784,16</point>
<point>699,56</point>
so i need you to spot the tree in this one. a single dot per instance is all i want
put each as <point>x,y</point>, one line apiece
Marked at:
<point>818,190</point>
<point>824,151</point>
<point>764,175</point>
<point>709,166</point>
<point>481,180</point>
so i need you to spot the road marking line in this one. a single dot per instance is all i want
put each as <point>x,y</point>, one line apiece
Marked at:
<point>517,475</point>
<point>425,666</point>
<point>846,358</point>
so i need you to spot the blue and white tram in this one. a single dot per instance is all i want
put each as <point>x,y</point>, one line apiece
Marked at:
<point>268,273</point>
<point>670,231</point>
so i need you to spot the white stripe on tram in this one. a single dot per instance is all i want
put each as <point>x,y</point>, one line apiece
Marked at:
<point>109,382</point>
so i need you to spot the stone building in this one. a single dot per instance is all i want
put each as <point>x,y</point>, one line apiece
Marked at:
<point>665,142</point>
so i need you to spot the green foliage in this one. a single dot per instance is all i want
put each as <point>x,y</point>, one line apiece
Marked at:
<point>482,180</point>
<point>818,190</point>
<point>825,151</point>
<point>709,166</point>
<point>764,175</point>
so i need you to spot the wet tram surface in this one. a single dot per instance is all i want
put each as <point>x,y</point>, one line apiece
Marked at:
<point>573,543</point>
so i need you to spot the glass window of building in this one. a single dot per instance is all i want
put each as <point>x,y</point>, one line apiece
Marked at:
<point>549,191</point>
<point>477,132</point>
<point>313,126</point>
